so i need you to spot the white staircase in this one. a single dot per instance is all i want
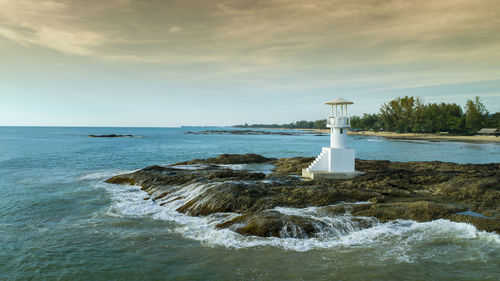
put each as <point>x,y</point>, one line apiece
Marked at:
<point>320,163</point>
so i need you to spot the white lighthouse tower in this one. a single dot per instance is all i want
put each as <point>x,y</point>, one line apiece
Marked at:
<point>336,160</point>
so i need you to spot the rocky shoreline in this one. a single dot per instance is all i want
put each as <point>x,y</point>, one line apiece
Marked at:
<point>247,191</point>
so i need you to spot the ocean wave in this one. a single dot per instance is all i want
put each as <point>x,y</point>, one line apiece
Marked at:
<point>400,239</point>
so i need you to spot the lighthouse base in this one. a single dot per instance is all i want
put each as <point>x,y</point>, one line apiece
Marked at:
<point>332,163</point>
<point>317,175</point>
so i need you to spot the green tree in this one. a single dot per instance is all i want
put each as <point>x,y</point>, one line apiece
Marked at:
<point>356,122</point>
<point>418,116</point>
<point>320,124</point>
<point>366,122</point>
<point>492,121</point>
<point>475,115</point>
<point>410,114</point>
<point>398,115</point>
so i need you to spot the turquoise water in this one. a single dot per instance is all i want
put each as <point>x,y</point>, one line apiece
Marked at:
<point>59,221</point>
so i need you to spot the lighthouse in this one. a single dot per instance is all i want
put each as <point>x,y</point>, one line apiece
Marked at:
<point>336,160</point>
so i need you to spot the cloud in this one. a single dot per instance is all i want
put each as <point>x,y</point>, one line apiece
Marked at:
<point>251,40</point>
<point>56,25</point>
<point>175,29</point>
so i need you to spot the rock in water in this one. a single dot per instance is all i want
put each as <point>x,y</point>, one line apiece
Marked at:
<point>420,191</point>
<point>111,136</point>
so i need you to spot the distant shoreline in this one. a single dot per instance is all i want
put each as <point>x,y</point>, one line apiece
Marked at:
<point>409,136</point>
<point>429,137</point>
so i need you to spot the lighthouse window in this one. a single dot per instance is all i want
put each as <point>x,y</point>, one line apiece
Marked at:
<point>341,131</point>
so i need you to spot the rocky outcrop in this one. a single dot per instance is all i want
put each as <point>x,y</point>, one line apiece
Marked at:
<point>111,136</point>
<point>420,191</point>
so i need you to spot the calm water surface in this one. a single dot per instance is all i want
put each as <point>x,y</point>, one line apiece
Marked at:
<point>59,221</point>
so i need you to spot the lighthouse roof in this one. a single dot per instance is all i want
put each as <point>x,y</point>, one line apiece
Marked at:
<point>339,101</point>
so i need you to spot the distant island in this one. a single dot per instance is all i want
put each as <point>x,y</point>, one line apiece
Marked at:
<point>111,136</point>
<point>250,132</point>
<point>411,115</point>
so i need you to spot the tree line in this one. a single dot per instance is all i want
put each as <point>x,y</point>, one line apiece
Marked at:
<point>303,124</point>
<point>410,114</point>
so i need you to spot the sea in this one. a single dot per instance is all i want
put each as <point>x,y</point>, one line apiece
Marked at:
<point>60,221</point>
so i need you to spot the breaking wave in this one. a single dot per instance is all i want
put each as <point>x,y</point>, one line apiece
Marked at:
<point>399,239</point>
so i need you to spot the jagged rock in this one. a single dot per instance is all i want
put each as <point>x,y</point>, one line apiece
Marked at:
<point>420,191</point>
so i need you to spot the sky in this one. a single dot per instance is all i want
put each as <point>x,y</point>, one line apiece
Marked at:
<point>209,62</point>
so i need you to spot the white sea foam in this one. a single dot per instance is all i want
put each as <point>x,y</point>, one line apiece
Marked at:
<point>190,167</point>
<point>264,168</point>
<point>399,239</point>
<point>312,211</point>
<point>234,166</point>
<point>104,174</point>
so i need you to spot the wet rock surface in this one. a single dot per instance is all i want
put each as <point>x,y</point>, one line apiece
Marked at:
<point>419,191</point>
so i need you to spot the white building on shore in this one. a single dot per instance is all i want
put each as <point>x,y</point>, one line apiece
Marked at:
<point>335,161</point>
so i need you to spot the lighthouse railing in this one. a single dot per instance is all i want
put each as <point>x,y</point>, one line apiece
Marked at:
<point>339,121</point>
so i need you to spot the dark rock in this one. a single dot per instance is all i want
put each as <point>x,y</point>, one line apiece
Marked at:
<point>111,136</point>
<point>418,211</point>
<point>225,174</point>
<point>487,224</point>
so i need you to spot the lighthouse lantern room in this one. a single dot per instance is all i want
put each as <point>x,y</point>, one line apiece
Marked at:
<point>336,160</point>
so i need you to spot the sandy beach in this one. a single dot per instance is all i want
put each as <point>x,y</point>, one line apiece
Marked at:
<point>429,137</point>
<point>410,136</point>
